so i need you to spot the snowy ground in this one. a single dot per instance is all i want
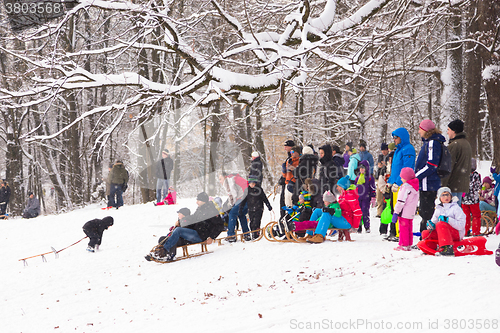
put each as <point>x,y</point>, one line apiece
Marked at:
<point>363,286</point>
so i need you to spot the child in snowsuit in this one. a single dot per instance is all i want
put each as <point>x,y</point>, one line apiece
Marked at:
<point>94,229</point>
<point>365,185</point>
<point>330,216</point>
<point>470,202</point>
<point>405,208</point>
<point>255,198</point>
<point>447,224</point>
<point>170,199</point>
<point>349,204</point>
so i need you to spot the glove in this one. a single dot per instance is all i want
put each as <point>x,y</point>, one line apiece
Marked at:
<point>394,218</point>
<point>395,187</point>
<point>430,225</point>
<point>290,187</point>
<point>330,211</point>
<point>493,169</point>
<point>443,218</point>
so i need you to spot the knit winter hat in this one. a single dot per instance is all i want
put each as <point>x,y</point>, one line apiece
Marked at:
<point>165,151</point>
<point>456,126</point>
<point>384,146</point>
<point>202,197</point>
<point>488,180</point>
<point>184,211</point>
<point>344,182</point>
<point>253,180</point>
<point>442,190</point>
<point>255,154</point>
<point>427,125</point>
<point>289,143</point>
<point>307,151</point>
<point>329,197</point>
<point>391,146</point>
<point>407,174</point>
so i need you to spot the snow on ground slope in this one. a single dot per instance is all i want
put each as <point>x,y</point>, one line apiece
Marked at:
<point>361,286</point>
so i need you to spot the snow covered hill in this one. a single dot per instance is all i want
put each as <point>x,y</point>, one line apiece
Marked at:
<point>361,286</point>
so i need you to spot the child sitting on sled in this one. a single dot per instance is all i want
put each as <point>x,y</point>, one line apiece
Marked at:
<point>170,199</point>
<point>447,224</point>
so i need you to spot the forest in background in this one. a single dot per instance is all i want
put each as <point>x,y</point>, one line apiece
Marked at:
<point>213,81</point>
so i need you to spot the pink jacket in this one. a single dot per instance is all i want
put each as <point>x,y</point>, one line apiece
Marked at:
<point>349,205</point>
<point>407,199</point>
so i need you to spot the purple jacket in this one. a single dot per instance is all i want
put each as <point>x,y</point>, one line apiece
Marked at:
<point>366,190</point>
<point>407,199</point>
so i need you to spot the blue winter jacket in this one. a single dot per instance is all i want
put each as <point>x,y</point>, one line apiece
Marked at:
<point>427,163</point>
<point>496,178</point>
<point>404,156</point>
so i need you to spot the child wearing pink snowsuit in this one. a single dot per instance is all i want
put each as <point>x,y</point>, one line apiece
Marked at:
<point>405,208</point>
<point>170,199</point>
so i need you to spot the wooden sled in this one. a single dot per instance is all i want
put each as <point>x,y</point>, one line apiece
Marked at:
<point>185,253</point>
<point>488,221</point>
<point>241,236</point>
<point>3,217</point>
<point>465,247</point>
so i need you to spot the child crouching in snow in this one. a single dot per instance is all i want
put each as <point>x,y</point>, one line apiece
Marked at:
<point>94,229</point>
<point>405,208</point>
<point>447,224</point>
<point>170,199</point>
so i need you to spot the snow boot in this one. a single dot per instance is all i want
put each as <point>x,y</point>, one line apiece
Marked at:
<point>304,239</point>
<point>446,251</point>
<point>347,234</point>
<point>316,239</point>
<point>90,249</point>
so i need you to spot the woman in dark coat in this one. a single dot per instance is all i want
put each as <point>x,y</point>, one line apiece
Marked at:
<point>308,163</point>
<point>94,229</point>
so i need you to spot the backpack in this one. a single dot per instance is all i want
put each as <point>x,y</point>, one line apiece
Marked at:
<point>444,167</point>
<point>240,181</point>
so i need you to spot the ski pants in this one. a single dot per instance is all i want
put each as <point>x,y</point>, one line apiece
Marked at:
<point>405,231</point>
<point>476,218</point>
<point>255,219</point>
<point>365,209</point>
<point>444,233</point>
<point>326,221</point>
<point>95,237</point>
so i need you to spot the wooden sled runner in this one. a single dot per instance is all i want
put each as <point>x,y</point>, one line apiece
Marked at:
<point>185,253</point>
<point>289,236</point>
<point>465,247</point>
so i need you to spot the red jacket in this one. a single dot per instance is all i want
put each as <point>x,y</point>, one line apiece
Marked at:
<point>349,204</point>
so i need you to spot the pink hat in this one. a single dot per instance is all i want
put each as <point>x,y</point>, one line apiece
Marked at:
<point>407,173</point>
<point>488,180</point>
<point>427,125</point>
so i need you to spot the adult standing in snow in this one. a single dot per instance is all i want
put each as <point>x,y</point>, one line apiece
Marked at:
<point>32,207</point>
<point>256,168</point>
<point>426,166</point>
<point>235,193</point>
<point>347,156</point>
<point>331,167</point>
<point>288,146</point>
<point>306,168</point>
<point>163,169</point>
<point>380,172</point>
<point>118,179</point>
<point>404,157</point>
<point>461,155</point>
<point>4,197</point>
<point>94,230</point>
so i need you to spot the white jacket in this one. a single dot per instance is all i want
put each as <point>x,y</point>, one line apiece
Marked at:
<point>455,214</point>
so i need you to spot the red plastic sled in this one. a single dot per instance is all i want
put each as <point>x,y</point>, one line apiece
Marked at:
<point>466,247</point>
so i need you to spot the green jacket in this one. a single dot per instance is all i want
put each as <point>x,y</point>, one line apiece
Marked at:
<point>118,175</point>
<point>461,155</point>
